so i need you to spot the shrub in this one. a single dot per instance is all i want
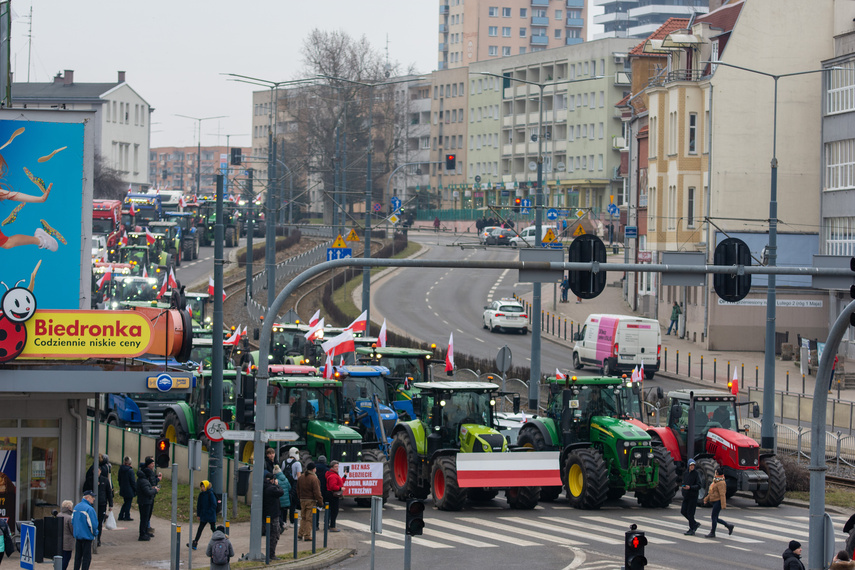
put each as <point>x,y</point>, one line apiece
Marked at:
<point>798,477</point>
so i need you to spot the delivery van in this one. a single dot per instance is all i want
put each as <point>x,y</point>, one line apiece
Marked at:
<point>616,344</point>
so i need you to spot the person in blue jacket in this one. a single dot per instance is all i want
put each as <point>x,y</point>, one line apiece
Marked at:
<point>206,510</point>
<point>284,500</point>
<point>84,521</point>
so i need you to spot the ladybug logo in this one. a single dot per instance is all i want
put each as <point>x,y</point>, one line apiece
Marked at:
<point>18,306</point>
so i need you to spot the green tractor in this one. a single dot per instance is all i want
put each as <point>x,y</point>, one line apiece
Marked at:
<point>208,219</point>
<point>185,420</point>
<point>287,344</point>
<point>602,454</point>
<point>451,418</point>
<point>141,257</point>
<point>171,233</point>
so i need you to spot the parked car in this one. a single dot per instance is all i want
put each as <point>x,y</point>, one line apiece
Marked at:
<point>500,236</point>
<point>527,237</point>
<point>485,233</point>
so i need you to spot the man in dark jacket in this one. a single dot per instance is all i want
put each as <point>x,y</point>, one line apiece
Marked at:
<point>105,495</point>
<point>270,508</point>
<point>127,488</point>
<point>321,469</point>
<point>792,556</point>
<point>690,488</point>
<point>145,495</point>
<point>206,510</point>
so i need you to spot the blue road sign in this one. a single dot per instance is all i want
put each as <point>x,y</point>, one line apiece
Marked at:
<point>396,203</point>
<point>613,210</point>
<point>630,231</point>
<point>28,545</point>
<point>551,214</point>
<point>377,207</point>
<point>525,204</point>
<point>339,253</point>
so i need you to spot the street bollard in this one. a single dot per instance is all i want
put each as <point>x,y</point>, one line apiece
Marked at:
<point>326,522</point>
<point>666,359</point>
<point>756,376</point>
<point>713,370</point>
<point>553,324</point>
<point>677,371</point>
<point>314,530</point>
<point>742,375</point>
<point>788,381</point>
<point>689,367</point>
<point>541,320</point>
<point>267,542</point>
<point>178,547</point>
<point>296,536</point>
<point>702,367</point>
<point>565,329</point>
<point>57,563</point>
<point>228,527</point>
<point>728,373</point>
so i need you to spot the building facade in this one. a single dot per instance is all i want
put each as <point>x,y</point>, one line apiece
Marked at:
<point>448,109</point>
<point>640,18</point>
<point>411,170</point>
<point>174,168</point>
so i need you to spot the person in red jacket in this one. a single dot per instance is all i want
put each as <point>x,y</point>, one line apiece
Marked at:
<point>334,486</point>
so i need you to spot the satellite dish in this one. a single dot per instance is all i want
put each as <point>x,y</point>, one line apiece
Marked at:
<point>532,166</point>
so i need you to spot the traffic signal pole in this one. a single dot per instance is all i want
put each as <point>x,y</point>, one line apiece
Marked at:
<point>534,378</point>
<point>215,458</point>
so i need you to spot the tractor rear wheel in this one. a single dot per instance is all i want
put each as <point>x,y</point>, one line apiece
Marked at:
<point>586,479</point>
<point>707,468</point>
<point>447,494</point>
<point>187,250</point>
<point>523,498</point>
<point>660,496</point>
<point>377,456</point>
<point>172,429</point>
<point>404,468</point>
<point>230,237</point>
<point>246,451</point>
<point>533,439</point>
<point>774,495</point>
<point>482,494</point>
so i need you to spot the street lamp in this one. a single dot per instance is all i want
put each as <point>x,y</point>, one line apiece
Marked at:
<point>534,380</point>
<point>199,146</point>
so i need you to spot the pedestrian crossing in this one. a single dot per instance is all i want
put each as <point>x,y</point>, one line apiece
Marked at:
<point>486,529</point>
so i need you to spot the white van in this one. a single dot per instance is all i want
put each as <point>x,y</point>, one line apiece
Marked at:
<point>527,236</point>
<point>617,344</point>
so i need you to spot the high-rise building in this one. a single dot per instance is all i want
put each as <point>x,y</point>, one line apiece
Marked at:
<point>174,168</point>
<point>640,18</point>
<point>479,30</point>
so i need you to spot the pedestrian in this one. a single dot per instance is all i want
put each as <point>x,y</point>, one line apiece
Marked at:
<point>676,311</point>
<point>436,224</point>
<point>565,286</point>
<point>833,368</point>
<point>285,499</point>
<point>293,469</point>
<point>321,469</point>
<point>578,300</point>
<point>7,545</point>
<point>206,510</point>
<point>127,488</point>
<point>716,495</point>
<point>309,493</point>
<point>105,494</point>
<point>793,556</point>
<point>691,487</point>
<point>269,459</point>
<point>270,508</point>
<point>220,550</point>
<point>66,514</point>
<point>842,562</point>
<point>85,525</point>
<point>335,484</point>
<point>145,496</point>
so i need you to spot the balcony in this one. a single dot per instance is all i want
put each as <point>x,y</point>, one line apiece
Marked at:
<point>443,46</point>
<point>443,10</point>
<point>575,22</point>
<point>540,21</point>
<point>609,18</point>
<point>443,28</point>
<point>539,40</point>
<point>575,3</point>
<point>679,75</point>
<point>573,41</point>
<point>543,3</point>
<point>622,78</point>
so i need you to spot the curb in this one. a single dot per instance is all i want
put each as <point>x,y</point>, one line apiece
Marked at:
<point>315,561</point>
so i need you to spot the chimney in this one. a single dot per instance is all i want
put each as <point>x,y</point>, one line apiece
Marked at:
<point>121,77</point>
<point>57,78</point>
<point>69,77</point>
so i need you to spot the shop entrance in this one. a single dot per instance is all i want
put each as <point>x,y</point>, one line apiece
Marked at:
<point>29,469</point>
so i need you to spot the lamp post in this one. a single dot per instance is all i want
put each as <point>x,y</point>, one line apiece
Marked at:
<point>199,146</point>
<point>534,379</point>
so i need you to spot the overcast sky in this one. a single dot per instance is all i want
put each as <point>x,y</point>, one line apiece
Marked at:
<point>175,50</point>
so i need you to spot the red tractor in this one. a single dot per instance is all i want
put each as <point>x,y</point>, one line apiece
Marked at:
<point>704,425</point>
<point>106,221</point>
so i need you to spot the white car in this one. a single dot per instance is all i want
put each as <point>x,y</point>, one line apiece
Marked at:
<point>485,232</point>
<point>528,237</point>
<point>505,314</point>
<point>99,249</point>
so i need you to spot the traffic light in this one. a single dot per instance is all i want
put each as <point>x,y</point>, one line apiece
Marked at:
<point>245,403</point>
<point>586,248</point>
<point>450,162</point>
<point>162,457</point>
<point>732,288</point>
<point>633,549</point>
<point>236,156</point>
<point>517,204</point>
<point>415,517</point>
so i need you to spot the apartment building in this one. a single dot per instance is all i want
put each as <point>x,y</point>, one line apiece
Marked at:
<point>122,118</point>
<point>410,178</point>
<point>448,108</point>
<point>479,30</point>
<point>640,18</point>
<point>174,168</point>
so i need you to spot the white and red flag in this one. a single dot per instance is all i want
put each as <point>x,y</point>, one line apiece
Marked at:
<point>635,376</point>
<point>108,275</point>
<point>315,330</point>
<point>234,339</point>
<point>340,344</point>
<point>182,203</point>
<point>133,210</point>
<point>734,384</point>
<point>124,239</point>
<point>211,288</point>
<point>359,324</point>
<point>149,237</point>
<point>130,188</point>
<point>163,287</point>
<point>449,356</point>
<point>173,283</point>
<point>641,373</point>
<point>381,338</point>
<point>328,368</point>
<point>144,271</point>
<point>315,318</point>
<point>560,375</point>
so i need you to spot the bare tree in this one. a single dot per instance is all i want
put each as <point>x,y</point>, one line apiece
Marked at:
<point>108,183</point>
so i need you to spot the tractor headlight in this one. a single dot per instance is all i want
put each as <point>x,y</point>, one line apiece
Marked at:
<point>485,447</point>
<point>650,455</point>
<point>626,444</point>
<point>755,462</point>
<point>636,455</point>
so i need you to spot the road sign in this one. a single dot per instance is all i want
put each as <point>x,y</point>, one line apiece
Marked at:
<point>351,236</point>
<point>551,214</point>
<point>235,435</point>
<point>28,545</point>
<point>549,237</point>
<point>281,436</point>
<point>612,209</point>
<point>504,359</point>
<point>630,231</point>
<point>214,428</point>
<point>394,219</point>
<point>339,242</point>
<point>580,231</point>
<point>396,202</point>
<point>477,178</point>
<point>377,207</point>
<point>339,253</point>
<point>363,479</point>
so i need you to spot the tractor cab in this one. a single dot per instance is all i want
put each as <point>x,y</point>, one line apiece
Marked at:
<point>407,366</point>
<point>131,290</point>
<point>203,353</point>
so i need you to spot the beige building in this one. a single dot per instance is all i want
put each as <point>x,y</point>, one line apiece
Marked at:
<point>479,30</point>
<point>448,134</point>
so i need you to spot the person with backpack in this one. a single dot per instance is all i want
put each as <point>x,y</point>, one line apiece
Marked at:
<point>292,468</point>
<point>220,550</point>
<point>206,510</point>
<point>284,500</point>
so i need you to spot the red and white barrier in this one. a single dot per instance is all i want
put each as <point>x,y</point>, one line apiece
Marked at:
<point>531,469</point>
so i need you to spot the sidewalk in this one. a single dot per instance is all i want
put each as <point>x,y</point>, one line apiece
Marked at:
<point>121,549</point>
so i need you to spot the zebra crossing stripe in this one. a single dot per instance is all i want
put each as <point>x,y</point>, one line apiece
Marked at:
<point>689,538</point>
<point>794,526</point>
<point>432,533</point>
<point>612,532</point>
<point>416,540</point>
<point>608,535</point>
<point>773,525</point>
<point>507,538</point>
<point>515,529</point>
<point>553,529</point>
<point>384,544</point>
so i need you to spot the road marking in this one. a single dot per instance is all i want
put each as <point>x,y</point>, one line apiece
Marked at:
<point>443,320</point>
<point>540,526</point>
<point>609,532</point>
<point>479,340</point>
<point>416,540</point>
<point>675,526</point>
<point>504,537</point>
<point>579,558</point>
<point>431,533</point>
<point>384,544</point>
<point>738,548</point>
<point>461,331</point>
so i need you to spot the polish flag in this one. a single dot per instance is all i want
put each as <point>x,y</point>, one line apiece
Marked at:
<point>133,211</point>
<point>328,368</point>
<point>734,384</point>
<point>130,188</point>
<point>149,237</point>
<point>108,275</point>
<point>164,286</point>
<point>244,331</point>
<point>641,373</point>
<point>449,356</point>
<point>315,318</point>
<point>559,375</point>
<point>144,272</point>
<point>313,331</point>
<point>359,324</point>
<point>340,344</point>
<point>524,418</point>
<point>182,203</point>
<point>173,283</point>
<point>381,339</point>
<point>124,239</point>
<point>211,288</point>
<point>199,369</point>
<point>341,361</point>
<point>234,339</point>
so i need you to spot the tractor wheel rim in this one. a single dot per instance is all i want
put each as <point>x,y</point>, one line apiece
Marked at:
<point>439,484</point>
<point>576,480</point>
<point>247,453</point>
<point>170,434</point>
<point>401,466</point>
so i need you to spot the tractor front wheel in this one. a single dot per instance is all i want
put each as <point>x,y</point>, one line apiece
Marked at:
<point>172,429</point>
<point>447,494</point>
<point>666,487</point>
<point>533,439</point>
<point>404,468</point>
<point>230,237</point>
<point>774,494</point>
<point>586,479</point>
<point>523,498</point>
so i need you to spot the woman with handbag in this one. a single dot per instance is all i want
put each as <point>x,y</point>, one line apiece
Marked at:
<point>7,545</point>
<point>335,483</point>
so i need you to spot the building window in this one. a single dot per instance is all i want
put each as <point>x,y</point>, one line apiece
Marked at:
<point>559,15</point>
<point>672,208</point>
<point>693,133</point>
<point>651,208</point>
<point>840,95</point>
<point>601,132</point>
<point>672,132</point>
<point>493,12</point>
<point>523,12</point>
<point>506,51</point>
<point>493,50</point>
<point>493,31</point>
<point>506,31</point>
<point>523,32</point>
<point>690,208</point>
<point>599,162</point>
<point>840,165</point>
<point>558,33</point>
<point>522,50</point>
<point>839,236</point>
<point>654,136</point>
<point>506,12</point>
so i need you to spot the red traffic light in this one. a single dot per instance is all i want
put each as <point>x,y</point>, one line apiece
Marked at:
<point>162,445</point>
<point>450,162</point>
<point>518,201</point>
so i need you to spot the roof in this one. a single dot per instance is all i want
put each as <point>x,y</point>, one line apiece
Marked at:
<point>723,18</point>
<point>587,380</point>
<point>623,102</point>
<point>394,351</point>
<point>702,393</point>
<point>60,91</point>
<point>456,386</point>
<point>670,25</point>
<point>363,370</point>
